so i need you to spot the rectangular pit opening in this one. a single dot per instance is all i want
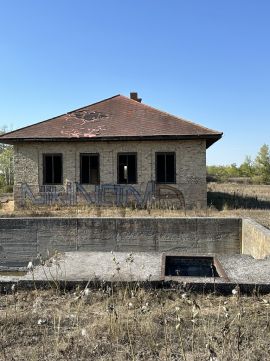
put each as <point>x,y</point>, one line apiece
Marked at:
<point>192,266</point>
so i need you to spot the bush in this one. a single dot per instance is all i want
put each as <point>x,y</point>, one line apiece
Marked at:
<point>6,189</point>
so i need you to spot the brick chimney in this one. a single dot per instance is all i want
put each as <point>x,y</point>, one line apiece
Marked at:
<point>134,96</point>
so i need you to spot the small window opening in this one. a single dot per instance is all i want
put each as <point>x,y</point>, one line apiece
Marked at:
<point>89,169</point>
<point>127,168</point>
<point>52,169</point>
<point>185,266</point>
<point>165,167</point>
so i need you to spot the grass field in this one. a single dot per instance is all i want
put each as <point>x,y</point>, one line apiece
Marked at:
<point>260,191</point>
<point>241,200</point>
<point>133,324</point>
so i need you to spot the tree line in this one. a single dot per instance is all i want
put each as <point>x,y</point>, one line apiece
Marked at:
<point>255,171</point>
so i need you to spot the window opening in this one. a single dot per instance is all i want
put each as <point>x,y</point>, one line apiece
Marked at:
<point>52,169</point>
<point>165,167</point>
<point>127,168</point>
<point>89,170</point>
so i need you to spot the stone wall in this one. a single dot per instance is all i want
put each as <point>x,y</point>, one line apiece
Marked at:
<point>256,239</point>
<point>190,164</point>
<point>21,239</point>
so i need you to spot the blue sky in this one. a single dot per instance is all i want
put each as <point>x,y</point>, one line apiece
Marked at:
<point>207,61</point>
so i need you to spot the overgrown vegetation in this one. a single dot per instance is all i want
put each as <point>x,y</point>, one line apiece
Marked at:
<point>133,324</point>
<point>255,171</point>
<point>6,167</point>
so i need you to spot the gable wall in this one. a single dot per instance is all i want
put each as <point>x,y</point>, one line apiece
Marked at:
<point>190,164</point>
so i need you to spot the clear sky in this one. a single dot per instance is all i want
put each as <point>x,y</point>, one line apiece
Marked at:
<point>204,60</point>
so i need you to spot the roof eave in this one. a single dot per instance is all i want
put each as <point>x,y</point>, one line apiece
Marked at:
<point>210,138</point>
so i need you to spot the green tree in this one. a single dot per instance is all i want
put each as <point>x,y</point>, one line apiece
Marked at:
<point>262,163</point>
<point>6,163</point>
<point>247,167</point>
<point>232,170</point>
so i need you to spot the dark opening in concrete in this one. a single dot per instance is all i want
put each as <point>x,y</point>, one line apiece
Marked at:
<point>191,266</point>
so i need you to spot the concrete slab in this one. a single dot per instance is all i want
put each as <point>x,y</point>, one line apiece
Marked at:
<point>141,266</point>
<point>246,269</point>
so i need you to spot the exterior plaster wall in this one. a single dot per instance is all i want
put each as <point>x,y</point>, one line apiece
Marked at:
<point>190,164</point>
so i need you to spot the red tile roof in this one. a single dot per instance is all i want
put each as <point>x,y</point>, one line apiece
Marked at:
<point>116,118</point>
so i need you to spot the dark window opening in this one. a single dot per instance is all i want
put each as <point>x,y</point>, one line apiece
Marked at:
<point>89,169</point>
<point>165,167</point>
<point>127,168</point>
<point>183,266</point>
<point>52,169</point>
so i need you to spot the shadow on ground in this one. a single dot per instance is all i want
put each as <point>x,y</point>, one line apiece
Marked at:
<point>222,200</point>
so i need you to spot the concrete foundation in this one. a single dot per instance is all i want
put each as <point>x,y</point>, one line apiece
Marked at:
<point>256,239</point>
<point>241,246</point>
<point>21,239</point>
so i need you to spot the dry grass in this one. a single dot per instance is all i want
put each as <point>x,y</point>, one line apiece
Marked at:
<point>133,324</point>
<point>259,215</point>
<point>260,191</point>
<point>253,195</point>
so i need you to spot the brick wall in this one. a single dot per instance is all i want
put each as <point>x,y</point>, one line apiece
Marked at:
<point>190,164</point>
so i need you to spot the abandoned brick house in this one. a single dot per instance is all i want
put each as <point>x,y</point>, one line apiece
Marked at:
<point>118,141</point>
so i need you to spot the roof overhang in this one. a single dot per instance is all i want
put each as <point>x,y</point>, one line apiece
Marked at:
<point>209,138</point>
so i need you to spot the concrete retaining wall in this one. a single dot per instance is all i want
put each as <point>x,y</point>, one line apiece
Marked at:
<point>256,239</point>
<point>22,238</point>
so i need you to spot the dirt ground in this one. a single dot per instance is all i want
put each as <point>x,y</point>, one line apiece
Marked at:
<point>7,207</point>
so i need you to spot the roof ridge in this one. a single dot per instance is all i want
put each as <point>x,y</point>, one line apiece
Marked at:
<point>57,116</point>
<point>171,115</point>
